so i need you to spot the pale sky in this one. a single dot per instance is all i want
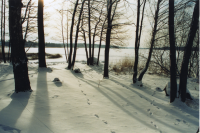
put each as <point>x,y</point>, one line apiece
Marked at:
<point>53,23</point>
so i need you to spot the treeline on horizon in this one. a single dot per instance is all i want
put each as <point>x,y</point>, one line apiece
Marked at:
<point>81,45</point>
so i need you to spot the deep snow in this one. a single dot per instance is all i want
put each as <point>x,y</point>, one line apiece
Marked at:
<point>86,103</point>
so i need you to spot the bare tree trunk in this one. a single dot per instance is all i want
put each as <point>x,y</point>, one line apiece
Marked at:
<point>89,34</point>
<point>3,30</point>
<point>71,36</point>
<point>27,24</point>
<point>77,31</point>
<point>152,41</point>
<point>41,39</point>
<point>63,36</point>
<point>173,86</point>
<point>84,37</point>
<point>107,48</point>
<point>67,38</point>
<point>187,52</point>
<point>101,40</point>
<point>19,59</point>
<point>136,43</point>
<point>95,28</point>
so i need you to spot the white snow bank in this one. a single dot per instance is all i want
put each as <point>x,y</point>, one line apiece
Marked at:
<point>86,103</point>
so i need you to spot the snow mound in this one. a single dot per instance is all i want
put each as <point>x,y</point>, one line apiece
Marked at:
<point>159,89</point>
<point>56,80</point>
<point>167,91</point>
<point>139,83</point>
<point>77,70</point>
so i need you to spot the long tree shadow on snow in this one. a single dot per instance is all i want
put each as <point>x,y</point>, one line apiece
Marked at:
<point>95,85</point>
<point>148,92</point>
<point>41,112</point>
<point>10,114</point>
<point>140,109</point>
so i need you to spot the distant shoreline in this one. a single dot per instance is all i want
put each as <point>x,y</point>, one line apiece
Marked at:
<point>81,45</point>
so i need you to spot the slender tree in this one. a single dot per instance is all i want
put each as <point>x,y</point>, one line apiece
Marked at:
<point>77,31</point>
<point>71,35</point>
<point>152,41</point>
<point>100,41</point>
<point>89,34</point>
<point>137,38</point>
<point>136,43</point>
<point>84,38</point>
<point>67,38</point>
<point>3,30</point>
<point>63,38</point>
<point>107,47</point>
<point>19,59</point>
<point>187,52</point>
<point>41,39</point>
<point>94,34</point>
<point>173,83</point>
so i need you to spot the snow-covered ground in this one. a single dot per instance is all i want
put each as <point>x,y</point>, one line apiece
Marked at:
<point>86,103</point>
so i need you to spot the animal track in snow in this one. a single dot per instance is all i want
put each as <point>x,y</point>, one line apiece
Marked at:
<point>55,96</point>
<point>102,120</point>
<point>105,122</point>
<point>178,121</point>
<point>83,92</point>
<point>96,115</point>
<point>148,110</point>
<point>154,124</point>
<point>184,122</point>
<point>88,101</point>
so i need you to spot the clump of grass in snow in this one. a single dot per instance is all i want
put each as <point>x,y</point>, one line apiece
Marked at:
<point>126,65</point>
<point>34,56</point>
<point>51,56</point>
<point>123,65</point>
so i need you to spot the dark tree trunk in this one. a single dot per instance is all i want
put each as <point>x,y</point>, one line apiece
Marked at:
<point>107,47</point>
<point>3,30</point>
<point>152,41</point>
<point>67,39</point>
<point>71,36</point>
<point>19,59</point>
<point>95,33</point>
<point>41,39</point>
<point>173,86</point>
<point>85,41</point>
<point>187,52</point>
<point>77,31</point>
<point>136,44</point>
<point>89,34</point>
<point>100,41</point>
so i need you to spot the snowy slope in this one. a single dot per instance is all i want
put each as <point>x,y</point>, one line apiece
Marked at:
<point>86,103</point>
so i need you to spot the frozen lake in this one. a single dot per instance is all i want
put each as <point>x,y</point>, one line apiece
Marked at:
<point>115,54</point>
